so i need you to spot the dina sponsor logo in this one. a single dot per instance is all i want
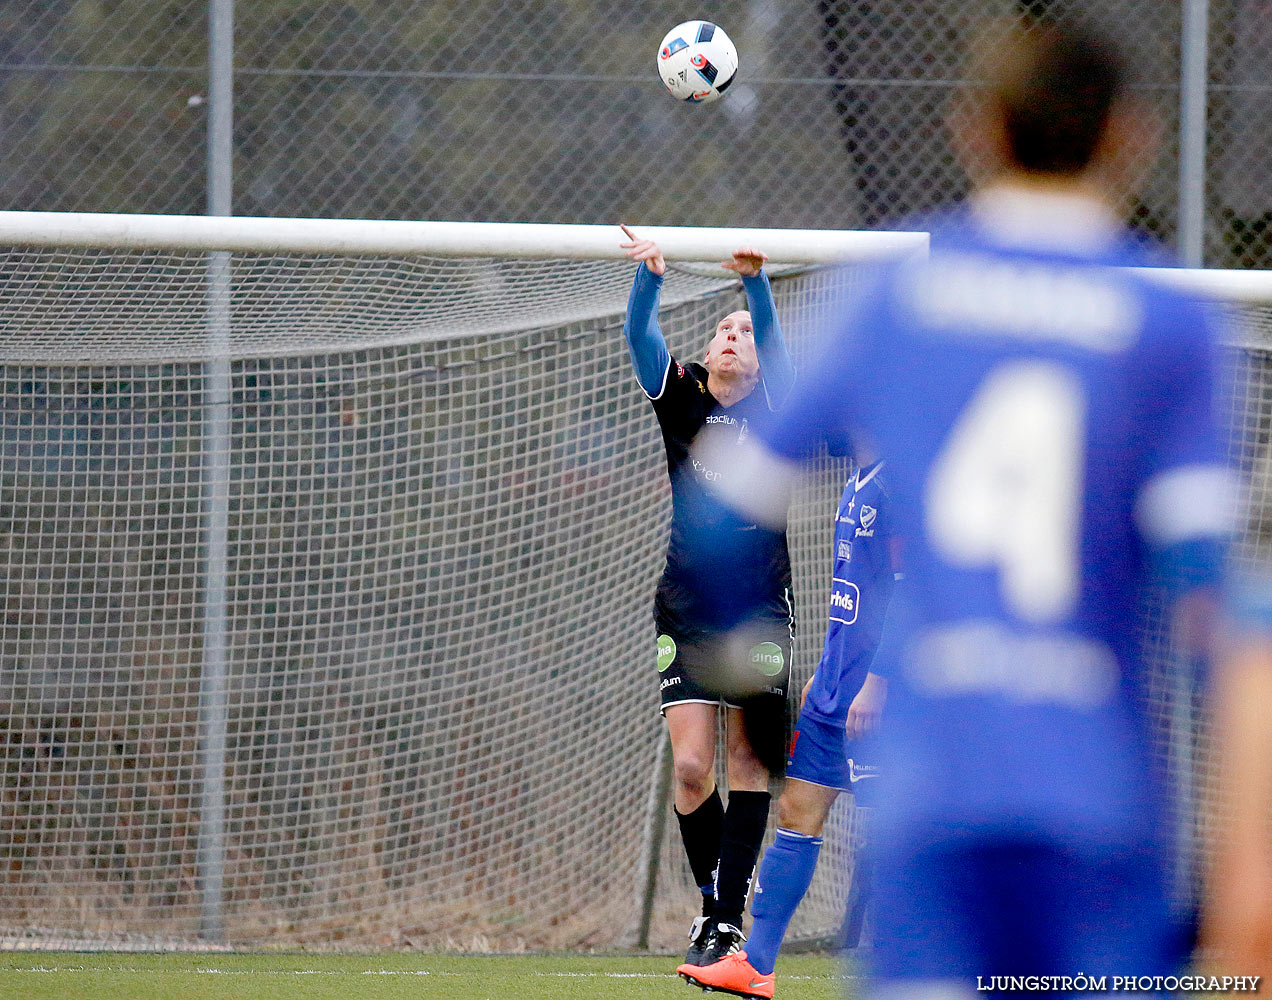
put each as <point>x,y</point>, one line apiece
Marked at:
<point>768,658</point>
<point>666,652</point>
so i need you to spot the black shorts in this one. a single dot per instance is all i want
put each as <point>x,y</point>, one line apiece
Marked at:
<point>748,670</point>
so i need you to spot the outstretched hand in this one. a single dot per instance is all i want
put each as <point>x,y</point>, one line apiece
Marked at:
<point>646,250</point>
<point>747,261</point>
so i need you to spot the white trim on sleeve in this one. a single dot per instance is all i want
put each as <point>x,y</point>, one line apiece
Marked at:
<point>662,388</point>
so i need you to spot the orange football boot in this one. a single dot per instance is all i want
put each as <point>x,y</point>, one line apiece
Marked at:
<point>732,974</point>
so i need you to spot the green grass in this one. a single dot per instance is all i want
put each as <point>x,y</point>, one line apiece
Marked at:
<point>112,976</point>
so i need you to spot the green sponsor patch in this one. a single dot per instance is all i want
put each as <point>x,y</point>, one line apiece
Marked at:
<point>666,652</point>
<point>767,658</point>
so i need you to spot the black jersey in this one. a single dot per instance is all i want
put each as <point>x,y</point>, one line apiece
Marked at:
<point>757,563</point>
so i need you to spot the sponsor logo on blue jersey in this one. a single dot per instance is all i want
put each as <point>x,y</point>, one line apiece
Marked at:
<point>845,599</point>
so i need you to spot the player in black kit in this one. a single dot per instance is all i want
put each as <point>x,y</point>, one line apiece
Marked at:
<point>709,656</point>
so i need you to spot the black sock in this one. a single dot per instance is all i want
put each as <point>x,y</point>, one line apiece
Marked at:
<point>700,831</point>
<point>744,825</point>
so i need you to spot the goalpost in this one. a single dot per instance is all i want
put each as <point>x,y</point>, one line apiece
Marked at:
<point>330,548</point>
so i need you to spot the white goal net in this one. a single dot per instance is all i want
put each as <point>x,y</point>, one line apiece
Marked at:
<point>421,710</point>
<point>445,513</point>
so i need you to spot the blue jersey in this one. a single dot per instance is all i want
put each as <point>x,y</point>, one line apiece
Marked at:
<point>1050,424</point>
<point>860,586</point>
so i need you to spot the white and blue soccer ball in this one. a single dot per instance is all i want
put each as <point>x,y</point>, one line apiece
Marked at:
<point>697,61</point>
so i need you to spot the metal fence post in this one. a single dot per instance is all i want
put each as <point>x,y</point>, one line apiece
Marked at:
<point>213,685</point>
<point>1192,231</point>
<point>652,841</point>
<point>1192,132</point>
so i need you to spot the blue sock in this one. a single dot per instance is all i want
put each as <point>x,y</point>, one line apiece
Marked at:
<point>785,875</point>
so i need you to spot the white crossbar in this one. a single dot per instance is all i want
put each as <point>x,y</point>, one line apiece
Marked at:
<point>469,239</point>
<point>527,241</point>
<point>1250,287</point>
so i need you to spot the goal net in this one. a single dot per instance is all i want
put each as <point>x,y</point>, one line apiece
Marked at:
<point>328,572</point>
<point>421,711</point>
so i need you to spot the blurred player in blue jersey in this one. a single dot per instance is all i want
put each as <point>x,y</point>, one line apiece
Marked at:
<point>1050,426</point>
<point>703,661</point>
<point>829,753</point>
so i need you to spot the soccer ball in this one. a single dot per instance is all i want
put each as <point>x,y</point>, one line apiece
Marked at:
<point>697,61</point>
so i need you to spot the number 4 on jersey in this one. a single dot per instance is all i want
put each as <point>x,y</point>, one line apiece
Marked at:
<point>1005,491</point>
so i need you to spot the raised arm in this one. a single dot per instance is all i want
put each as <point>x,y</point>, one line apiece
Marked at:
<point>645,342</point>
<point>776,368</point>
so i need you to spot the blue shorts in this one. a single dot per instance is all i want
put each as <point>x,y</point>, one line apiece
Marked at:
<point>1024,907</point>
<point>821,754</point>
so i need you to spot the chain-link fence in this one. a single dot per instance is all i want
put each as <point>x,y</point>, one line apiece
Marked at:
<point>525,110</point>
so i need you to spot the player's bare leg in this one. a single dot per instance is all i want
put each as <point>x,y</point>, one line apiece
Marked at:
<point>692,728</point>
<point>699,810</point>
<point>804,807</point>
<point>746,772</point>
